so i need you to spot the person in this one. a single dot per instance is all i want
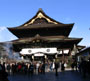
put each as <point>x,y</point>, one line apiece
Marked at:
<point>88,66</point>
<point>43,68</point>
<point>4,66</point>
<point>37,67</point>
<point>31,69</point>
<point>8,68</point>
<point>3,74</point>
<point>79,67</point>
<point>13,69</point>
<point>72,66</point>
<point>56,68</point>
<point>62,66</point>
<point>53,66</point>
<point>83,67</point>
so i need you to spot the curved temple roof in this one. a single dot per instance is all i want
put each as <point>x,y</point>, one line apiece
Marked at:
<point>40,21</point>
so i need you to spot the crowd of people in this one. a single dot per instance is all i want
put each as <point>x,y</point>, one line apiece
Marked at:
<point>31,68</point>
<point>23,68</point>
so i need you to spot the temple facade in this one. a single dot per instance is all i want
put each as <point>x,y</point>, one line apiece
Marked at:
<point>42,38</point>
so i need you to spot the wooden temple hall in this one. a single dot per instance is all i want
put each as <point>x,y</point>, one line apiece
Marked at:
<point>43,38</point>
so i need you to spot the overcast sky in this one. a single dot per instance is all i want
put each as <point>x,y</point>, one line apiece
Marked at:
<point>16,12</point>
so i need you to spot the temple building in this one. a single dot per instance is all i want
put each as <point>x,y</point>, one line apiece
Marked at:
<point>84,53</point>
<point>43,38</point>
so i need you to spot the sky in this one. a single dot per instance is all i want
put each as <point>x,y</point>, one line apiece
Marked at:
<point>16,12</point>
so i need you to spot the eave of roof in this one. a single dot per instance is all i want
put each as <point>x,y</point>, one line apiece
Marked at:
<point>87,49</point>
<point>43,26</point>
<point>65,27</point>
<point>80,47</point>
<point>47,39</point>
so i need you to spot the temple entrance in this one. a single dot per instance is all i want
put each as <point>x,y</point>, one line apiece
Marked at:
<point>51,57</point>
<point>39,58</point>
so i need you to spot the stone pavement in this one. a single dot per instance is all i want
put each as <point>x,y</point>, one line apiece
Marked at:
<point>50,76</point>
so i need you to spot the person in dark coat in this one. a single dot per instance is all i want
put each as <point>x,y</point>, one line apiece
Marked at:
<point>88,67</point>
<point>3,74</point>
<point>31,69</point>
<point>43,68</point>
<point>62,66</point>
<point>56,68</point>
<point>83,67</point>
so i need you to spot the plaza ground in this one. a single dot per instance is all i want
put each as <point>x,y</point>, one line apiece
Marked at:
<point>67,75</point>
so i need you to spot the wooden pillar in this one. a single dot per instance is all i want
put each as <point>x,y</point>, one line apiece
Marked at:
<point>69,52</point>
<point>63,55</point>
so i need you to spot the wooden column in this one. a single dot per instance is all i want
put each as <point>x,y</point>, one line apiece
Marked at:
<point>63,56</point>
